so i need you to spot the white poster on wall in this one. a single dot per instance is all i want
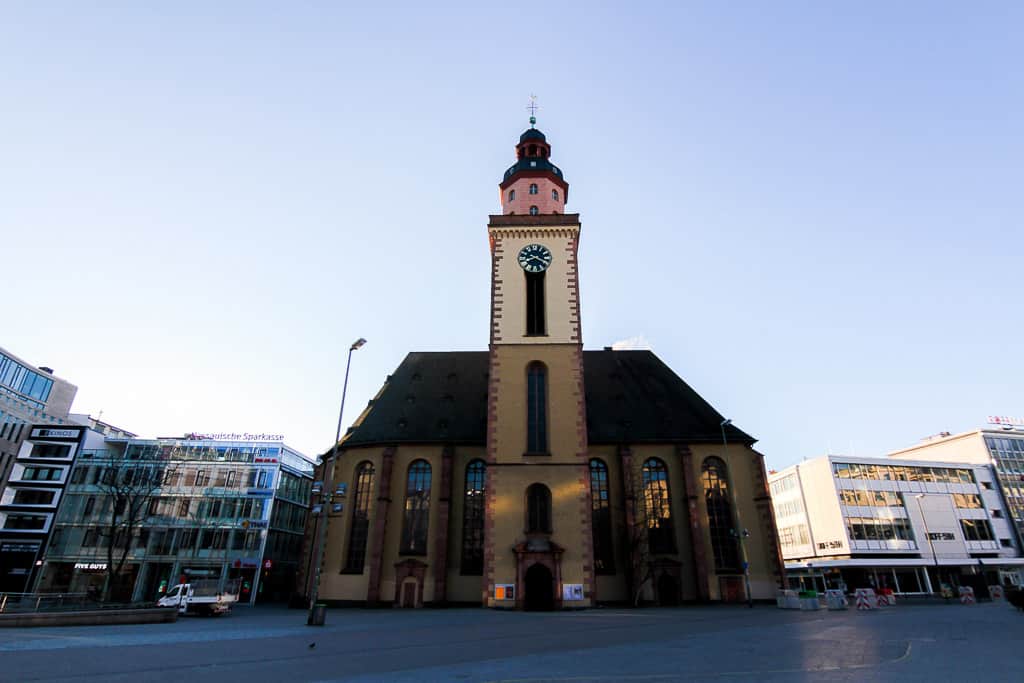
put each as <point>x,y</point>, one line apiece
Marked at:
<point>572,591</point>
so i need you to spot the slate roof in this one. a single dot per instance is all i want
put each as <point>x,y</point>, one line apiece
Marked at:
<point>632,397</point>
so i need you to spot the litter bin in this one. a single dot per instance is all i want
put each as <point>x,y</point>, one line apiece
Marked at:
<point>318,615</point>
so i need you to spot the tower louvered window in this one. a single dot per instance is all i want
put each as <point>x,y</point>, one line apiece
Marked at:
<point>536,408</point>
<point>535,304</point>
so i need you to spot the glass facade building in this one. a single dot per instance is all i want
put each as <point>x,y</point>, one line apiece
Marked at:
<point>210,509</point>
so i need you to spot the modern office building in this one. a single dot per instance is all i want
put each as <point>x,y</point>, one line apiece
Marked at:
<point>213,507</point>
<point>908,526</point>
<point>28,396</point>
<point>1001,445</point>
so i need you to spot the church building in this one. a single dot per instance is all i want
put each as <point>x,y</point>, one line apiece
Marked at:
<point>537,475</point>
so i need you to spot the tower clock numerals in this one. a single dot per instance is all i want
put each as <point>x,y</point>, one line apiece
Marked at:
<point>534,258</point>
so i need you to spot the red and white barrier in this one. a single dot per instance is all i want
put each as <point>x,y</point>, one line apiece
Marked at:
<point>886,598</point>
<point>996,592</point>
<point>966,595</point>
<point>866,599</point>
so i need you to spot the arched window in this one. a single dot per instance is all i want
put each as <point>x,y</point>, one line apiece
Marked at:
<point>720,521</point>
<point>536,408</point>
<point>554,195</point>
<point>533,188</point>
<point>661,535</point>
<point>511,195</point>
<point>534,210</point>
<point>473,519</point>
<point>538,509</point>
<point>601,518</point>
<point>363,491</point>
<point>417,509</point>
<point>533,150</point>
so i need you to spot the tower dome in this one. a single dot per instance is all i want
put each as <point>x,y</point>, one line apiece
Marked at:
<point>533,185</point>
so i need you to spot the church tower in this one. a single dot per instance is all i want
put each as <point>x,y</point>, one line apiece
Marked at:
<point>538,551</point>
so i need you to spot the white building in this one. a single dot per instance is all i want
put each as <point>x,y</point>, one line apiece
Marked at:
<point>904,525</point>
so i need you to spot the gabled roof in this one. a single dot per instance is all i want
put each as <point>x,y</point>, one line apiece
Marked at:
<point>631,397</point>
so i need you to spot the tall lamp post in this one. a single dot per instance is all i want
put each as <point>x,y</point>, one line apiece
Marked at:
<point>740,535</point>
<point>311,618</point>
<point>935,558</point>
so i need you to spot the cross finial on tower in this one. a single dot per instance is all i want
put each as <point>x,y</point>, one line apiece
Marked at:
<point>533,110</point>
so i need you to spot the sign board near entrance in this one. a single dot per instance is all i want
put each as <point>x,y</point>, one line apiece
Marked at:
<point>572,591</point>
<point>91,566</point>
<point>504,591</point>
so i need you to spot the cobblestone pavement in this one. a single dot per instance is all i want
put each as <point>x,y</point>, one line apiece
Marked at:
<point>925,642</point>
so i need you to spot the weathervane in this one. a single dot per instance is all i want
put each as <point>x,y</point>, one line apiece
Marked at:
<point>533,110</point>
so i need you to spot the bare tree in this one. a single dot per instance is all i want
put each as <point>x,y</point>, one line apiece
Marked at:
<point>637,535</point>
<point>129,488</point>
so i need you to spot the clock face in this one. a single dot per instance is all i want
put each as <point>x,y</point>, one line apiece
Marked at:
<point>534,258</point>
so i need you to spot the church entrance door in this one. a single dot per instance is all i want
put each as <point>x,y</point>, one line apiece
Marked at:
<point>668,591</point>
<point>540,589</point>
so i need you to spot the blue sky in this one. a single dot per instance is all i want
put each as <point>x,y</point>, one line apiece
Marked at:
<point>811,212</point>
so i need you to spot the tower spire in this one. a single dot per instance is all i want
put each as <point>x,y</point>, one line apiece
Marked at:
<point>532,107</point>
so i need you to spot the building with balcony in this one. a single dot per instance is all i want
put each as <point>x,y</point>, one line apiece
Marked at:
<point>906,526</point>
<point>210,508</point>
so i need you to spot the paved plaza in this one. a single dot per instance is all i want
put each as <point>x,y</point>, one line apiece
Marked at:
<point>924,642</point>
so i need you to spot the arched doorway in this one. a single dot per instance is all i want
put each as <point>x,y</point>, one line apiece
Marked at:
<point>668,590</point>
<point>540,589</point>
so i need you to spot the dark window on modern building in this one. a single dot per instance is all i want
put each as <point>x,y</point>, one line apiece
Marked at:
<point>601,518</point>
<point>25,522</point>
<point>50,450</point>
<point>356,557</point>
<point>661,535</point>
<point>536,408</point>
<point>90,504</point>
<point>473,519</point>
<point>33,497</point>
<point>976,529</point>
<point>534,210</point>
<point>535,322</point>
<point>720,520</point>
<point>538,509</point>
<point>417,509</point>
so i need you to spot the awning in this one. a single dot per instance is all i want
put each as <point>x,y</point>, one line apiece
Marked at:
<point>905,562</point>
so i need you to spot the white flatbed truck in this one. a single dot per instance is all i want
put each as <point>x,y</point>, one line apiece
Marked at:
<point>201,597</point>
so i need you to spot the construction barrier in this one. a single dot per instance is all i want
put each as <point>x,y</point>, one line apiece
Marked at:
<point>866,599</point>
<point>996,592</point>
<point>886,597</point>
<point>787,599</point>
<point>966,595</point>
<point>809,601</point>
<point>835,599</point>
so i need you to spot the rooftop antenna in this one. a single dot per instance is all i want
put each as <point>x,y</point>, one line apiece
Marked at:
<point>532,106</point>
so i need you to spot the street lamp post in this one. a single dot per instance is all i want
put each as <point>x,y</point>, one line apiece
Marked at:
<point>743,534</point>
<point>326,494</point>
<point>924,520</point>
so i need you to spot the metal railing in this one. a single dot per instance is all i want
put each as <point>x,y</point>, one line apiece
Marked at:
<point>23,603</point>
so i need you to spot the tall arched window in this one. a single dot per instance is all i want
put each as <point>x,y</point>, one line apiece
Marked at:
<point>533,188</point>
<point>720,519</point>
<point>554,195</point>
<point>601,518</point>
<point>363,492</point>
<point>473,519</point>
<point>661,535</point>
<point>538,509</point>
<point>417,509</point>
<point>534,211</point>
<point>536,408</point>
<point>511,195</point>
